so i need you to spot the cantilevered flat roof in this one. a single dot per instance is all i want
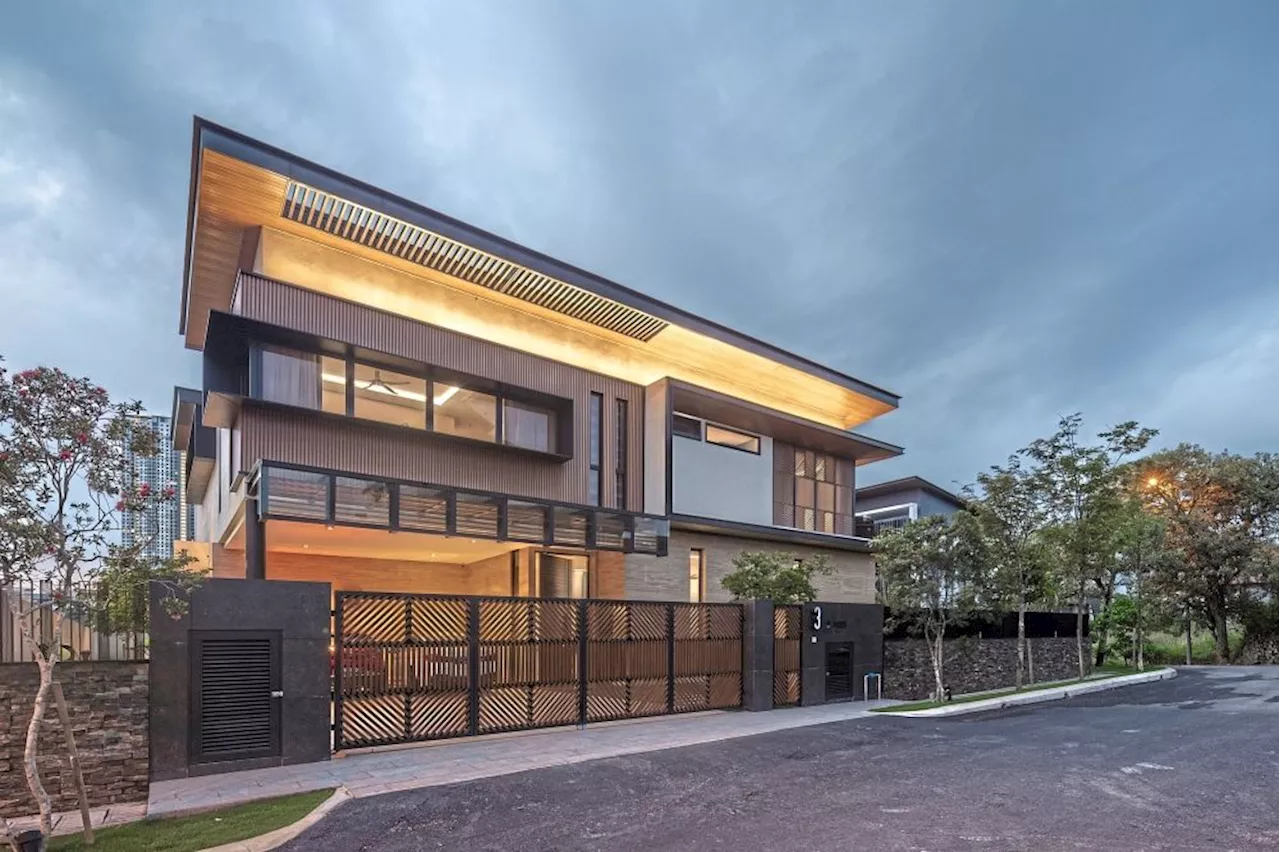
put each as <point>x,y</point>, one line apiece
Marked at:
<point>238,182</point>
<point>908,483</point>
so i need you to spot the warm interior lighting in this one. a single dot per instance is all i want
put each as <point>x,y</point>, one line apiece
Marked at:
<point>440,399</point>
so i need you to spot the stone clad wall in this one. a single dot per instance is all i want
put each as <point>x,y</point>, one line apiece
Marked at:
<point>973,664</point>
<point>108,706</point>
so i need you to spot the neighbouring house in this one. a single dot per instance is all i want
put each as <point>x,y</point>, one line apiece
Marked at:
<point>893,504</point>
<point>397,401</point>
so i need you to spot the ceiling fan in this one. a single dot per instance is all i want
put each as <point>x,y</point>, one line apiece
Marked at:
<point>377,383</point>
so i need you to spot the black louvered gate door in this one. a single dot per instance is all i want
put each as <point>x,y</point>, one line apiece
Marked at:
<point>235,694</point>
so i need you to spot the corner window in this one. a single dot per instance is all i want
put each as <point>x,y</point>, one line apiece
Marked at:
<point>465,413</point>
<point>389,397</point>
<point>686,427</point>
<point>733,439</point>
<point>304,379</point>
<point>528,426</point>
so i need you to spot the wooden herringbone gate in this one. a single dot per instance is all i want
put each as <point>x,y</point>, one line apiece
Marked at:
<point>424,667</point>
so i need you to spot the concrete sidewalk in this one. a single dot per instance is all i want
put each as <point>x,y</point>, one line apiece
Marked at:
<point>389,770</point>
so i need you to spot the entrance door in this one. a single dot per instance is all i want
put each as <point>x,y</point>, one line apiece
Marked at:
<point>840,671</point>
<point>562,575</point>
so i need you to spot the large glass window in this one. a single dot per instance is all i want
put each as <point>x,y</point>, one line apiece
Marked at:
<point>390,397</point>
<point>465,413</point>
<point>304,379</point>
<point>528,426</point>
<point>343,385</point>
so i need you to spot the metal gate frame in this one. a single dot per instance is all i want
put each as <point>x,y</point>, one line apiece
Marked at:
<point>410,667</point>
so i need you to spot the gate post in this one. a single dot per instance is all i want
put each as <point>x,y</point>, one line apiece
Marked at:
<point>757,655</point>
<point>473,666</point>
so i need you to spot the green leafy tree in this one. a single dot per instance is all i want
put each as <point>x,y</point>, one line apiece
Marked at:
<point>779,577</point>
<point>1140,550</point>
<point>1011,516</point>
<point>64,482</point>
<point>1220,520</point>
<point>930,576</point>
<point>1081,486</point>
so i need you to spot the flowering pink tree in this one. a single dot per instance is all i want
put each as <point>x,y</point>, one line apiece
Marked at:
<point>65,480</point>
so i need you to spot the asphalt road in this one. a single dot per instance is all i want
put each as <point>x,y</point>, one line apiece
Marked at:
<point>1183,764</point>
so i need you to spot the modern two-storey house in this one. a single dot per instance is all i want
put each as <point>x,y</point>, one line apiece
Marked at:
<point>397,401</point>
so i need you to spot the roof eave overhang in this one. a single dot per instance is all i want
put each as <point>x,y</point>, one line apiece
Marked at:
<point>210,136</point>
<point>717,407</point>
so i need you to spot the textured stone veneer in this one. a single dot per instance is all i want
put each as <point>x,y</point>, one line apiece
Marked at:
<point>108,706</point>
<point>973,664</point>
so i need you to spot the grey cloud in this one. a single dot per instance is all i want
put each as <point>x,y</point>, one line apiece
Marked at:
<point>1004,211</point>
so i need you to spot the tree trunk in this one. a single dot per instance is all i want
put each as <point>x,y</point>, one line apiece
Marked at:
<point>73,758</point>
<point>1100,656</point>
<point>1221,640</point>
<point>1022,640</point>
<point>32,750</point>
<point>1137,618</point>
<point>1081,657</point>
<point>935,651</point>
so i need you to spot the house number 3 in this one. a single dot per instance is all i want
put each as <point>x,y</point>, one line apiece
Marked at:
<point>817,618</point>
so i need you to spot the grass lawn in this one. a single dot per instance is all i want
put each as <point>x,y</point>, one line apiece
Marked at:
<point>1104,673</point>
<point>187,834</point>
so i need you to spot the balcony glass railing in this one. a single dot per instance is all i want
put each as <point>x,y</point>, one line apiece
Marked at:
<point>296,493</point>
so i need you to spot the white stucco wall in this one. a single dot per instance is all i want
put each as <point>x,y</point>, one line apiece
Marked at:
<point>711,481</point>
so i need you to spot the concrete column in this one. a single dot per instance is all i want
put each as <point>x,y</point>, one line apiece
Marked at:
<point>255,542</point>
<point>757,655</point>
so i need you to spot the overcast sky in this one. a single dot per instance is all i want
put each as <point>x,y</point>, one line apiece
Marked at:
<point>1004,212</point>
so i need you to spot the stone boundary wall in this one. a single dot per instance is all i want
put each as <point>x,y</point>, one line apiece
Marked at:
<point>107,702</point>
<point>973,664</point>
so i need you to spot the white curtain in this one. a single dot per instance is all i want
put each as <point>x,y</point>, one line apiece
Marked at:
<point>292,378</point>
<point>526,428</point>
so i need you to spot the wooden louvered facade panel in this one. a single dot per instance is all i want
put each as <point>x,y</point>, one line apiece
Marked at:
<point>303,438</point>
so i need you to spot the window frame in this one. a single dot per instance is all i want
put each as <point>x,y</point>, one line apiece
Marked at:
<point>595,448</point>
<point>701,556</point>
<point>677,416</point>
<point>622,445</point>
<point>558,409</point>
<point>706,436</point>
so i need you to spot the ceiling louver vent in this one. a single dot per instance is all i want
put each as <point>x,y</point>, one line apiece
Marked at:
<point>363,225</point>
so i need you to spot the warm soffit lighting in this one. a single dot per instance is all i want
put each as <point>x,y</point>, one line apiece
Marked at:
<point>440,398</point>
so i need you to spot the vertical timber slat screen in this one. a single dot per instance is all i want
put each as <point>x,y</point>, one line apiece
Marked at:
<point>786,655</point>
<point>423,667</point>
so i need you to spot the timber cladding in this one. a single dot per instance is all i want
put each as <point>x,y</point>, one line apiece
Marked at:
<point>303,438</point>
<point>107,703</point>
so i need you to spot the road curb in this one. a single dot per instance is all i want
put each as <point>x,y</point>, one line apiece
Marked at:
<point>1056,694</point>
<point>280,836</point>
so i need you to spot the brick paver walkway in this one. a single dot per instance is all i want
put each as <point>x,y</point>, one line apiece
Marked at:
<point>389,770</point>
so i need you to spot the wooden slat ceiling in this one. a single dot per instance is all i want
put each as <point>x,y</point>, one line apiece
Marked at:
<point>367,227</point>
<point>234,195</point>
